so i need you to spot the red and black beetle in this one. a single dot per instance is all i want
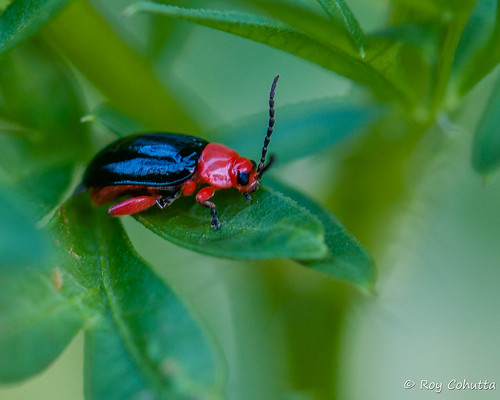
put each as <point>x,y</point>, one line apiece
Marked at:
<point>157,168</point>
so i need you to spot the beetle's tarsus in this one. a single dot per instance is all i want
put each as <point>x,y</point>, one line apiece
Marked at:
<point>215,221</point>
<point>247,196</point>
<point>161,202</point>
<point>165,201</point>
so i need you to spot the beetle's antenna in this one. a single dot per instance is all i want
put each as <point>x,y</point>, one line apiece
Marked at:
<point>261,168</point>
<point>266,166</point>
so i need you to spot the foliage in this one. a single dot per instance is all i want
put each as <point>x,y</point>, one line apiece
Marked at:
<point>81,271</point>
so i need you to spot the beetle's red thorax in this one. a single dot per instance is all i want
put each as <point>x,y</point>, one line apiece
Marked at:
<point>215,165</point>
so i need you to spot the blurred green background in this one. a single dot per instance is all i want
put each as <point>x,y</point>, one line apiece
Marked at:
<point>287,332</point>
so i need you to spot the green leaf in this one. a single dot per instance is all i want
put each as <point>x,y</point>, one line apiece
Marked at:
<point>340,13</point>
<point>405,53</point>
<point>36,321</point>
<point>486,147</point>
<point>410,11</point>
<point>476,32</point>
<point>18,228</point>
<point>450,18</point>
<point>140,340</point>
<point>38,157</point>
<point>39,109</point>
<point>127,79</point>
<point>115,121</point>
<point>22,18</point>
<point>40,101</point>
<point>300,130</point>
<point>334,33</point>
<point>284,37</point>
<point>486,53</point>
<point>347,260</point>
<point>271,226</point>
<point>452,31</point>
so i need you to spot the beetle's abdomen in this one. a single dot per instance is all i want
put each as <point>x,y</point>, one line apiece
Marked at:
<point>153,159</point>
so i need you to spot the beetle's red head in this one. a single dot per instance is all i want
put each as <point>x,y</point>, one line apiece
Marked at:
<point>245,174</point>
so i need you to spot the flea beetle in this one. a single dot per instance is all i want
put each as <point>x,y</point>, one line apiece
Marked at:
<point>158,167</point>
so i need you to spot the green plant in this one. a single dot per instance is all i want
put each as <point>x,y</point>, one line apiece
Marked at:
<point>67,266</point>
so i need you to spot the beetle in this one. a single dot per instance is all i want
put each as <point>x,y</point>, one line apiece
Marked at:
<point>158,167</point>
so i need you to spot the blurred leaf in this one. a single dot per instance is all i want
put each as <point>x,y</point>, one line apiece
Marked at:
<point>406,53</point>
<point>36,321</point>
<point>22,18</point>
<point>284,37</point>
<point>42,141</point>
<point>452,32</point>
<point>486,49</point>
<point>450,17</point>
<point>126,78</point>
<point>39,314</point>
<point>271,226</point>
<point>30,76</point>
<point>115,121</point>
<point>341,14</point>
<point>140,341</point>
<point>476,33</point>
<point>301,129</point>
<point>373,184</point>
<point>347,259</point>
<point>17,230</point>
<point>166,41</point>
<point>408,11</point>
<point>486,148</point>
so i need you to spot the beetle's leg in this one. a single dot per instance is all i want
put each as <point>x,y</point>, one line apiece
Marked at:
<point>166,201</point>
<point>188,187</point>
<point>202,197</point>
<point>247,196</point>
<point>162,202</point>
<point>132,205</point>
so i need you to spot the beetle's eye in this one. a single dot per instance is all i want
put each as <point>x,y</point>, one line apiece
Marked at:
<point>243,178</point>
